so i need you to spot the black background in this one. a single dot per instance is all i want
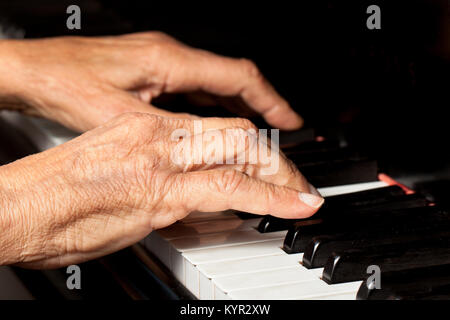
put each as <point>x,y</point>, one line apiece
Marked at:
<point>388,87</point>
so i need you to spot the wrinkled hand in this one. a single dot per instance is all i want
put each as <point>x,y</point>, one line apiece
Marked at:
<point>83,82</point>
<point>113,185</point>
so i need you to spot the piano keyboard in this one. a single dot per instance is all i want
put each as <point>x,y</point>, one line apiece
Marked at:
<point>365,221</point>
<point>226,257</point>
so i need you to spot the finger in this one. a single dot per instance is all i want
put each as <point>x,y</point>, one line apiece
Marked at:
<point>145,95</point>
<point>196,125</point>
<point>287,175</point>
<point>222,123</point>
<point>115,102</point>
<point>239,149</point>
<point>217,190</point>
<point>235,77</point>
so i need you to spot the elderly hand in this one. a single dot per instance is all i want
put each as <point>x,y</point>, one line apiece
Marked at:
<point>83,82</point>
<point>111,186</point>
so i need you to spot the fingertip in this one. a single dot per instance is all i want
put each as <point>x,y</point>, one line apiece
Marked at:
<point>298,212</point>
<point>305,206</point>
<point>298,205</point>
<point>313,190</point>
<point>145,95</point>
<point>294,122</point>
<point>285,120</point>
<point>311,200</point>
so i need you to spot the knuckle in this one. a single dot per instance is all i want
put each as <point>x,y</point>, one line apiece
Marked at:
<point>160,35</point>
<point>227,182</point>
<point>128,116</point>
<point>244,123</point>
<point>140,118</point>
<point>236,133</point>
<point>269,191</point>
<point>241,141</point>
<point>156,50</point>
<point>137,124</point>
<point>251,69</point>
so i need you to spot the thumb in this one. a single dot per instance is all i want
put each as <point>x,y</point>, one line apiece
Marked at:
<point>218,190</point>
<point>111,104</point>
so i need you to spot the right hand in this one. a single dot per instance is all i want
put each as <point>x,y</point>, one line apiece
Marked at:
<point>113,185</point>
<point>82,82</point>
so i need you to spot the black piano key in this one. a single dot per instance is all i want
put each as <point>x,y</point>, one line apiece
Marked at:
<point>299,236</point>
<point>341,172</point>
<point>351,265</point>
<point>313,147</point>
<point>418,283</point>
<point>436,191</point>
<point>317,158</point>
<point>245,215</point>
<point>320,248</point>
<point>294,138</point>
<point>364,197</point>
<point>336,203</point>
<point>273,224</point>
<point>371,204</point>
<point>375,205</point>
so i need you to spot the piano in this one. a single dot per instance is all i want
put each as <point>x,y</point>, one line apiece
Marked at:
<point>368,219</point>
<point>383,170</point>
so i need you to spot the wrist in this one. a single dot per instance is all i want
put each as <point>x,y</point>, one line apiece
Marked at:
<point>31,207</point>
<point>11,226</point>
<point>11,72</point>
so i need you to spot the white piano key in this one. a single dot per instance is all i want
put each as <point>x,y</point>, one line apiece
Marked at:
<point>268,278</point>
<point>159,247</point>
<point>206,287</point>
<point>207,216</point>
<point>192,277</point>
<point>182,230</point>
<point>205,273</point>
<point>169,252</point>
<point>174,248</point>
<point>192,282</point>
<point>224,239</point>
<point>342,296</point>
<point>178,266</point>
<point>249,250</point>
<point>349,188</point>
<point>155,242</point>
<point>221,296</point>
<point>295,291</point>
<point>221,254</point>
<point>249,265</point>
<point>164,249</point>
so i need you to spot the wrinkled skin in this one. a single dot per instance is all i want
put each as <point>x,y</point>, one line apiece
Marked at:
<point>114,184</point>
<point>83,82</point>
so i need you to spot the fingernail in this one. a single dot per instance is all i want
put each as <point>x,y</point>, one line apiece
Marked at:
<point>311,200</point>
<point>313,190</point>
